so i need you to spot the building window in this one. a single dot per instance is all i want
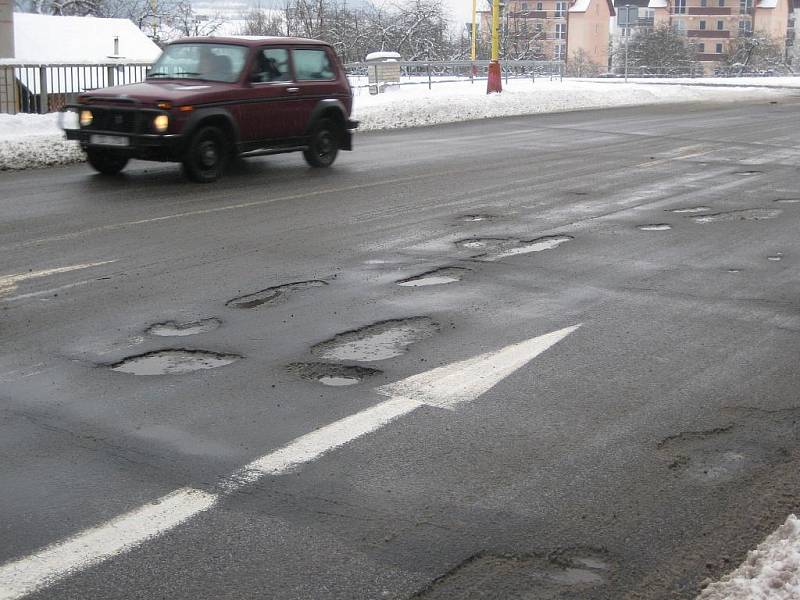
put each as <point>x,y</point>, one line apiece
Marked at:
<point>701,47</point>
<point>745,28</point>
<point>745,6</point>
<point>561,8</point>
<point>680,7</point>
<point>722,2</point>
<point>524,7</point>
<point>702,25</point>
<point>719,48</point>
<point>559,52</point>
<point>561,31</point>
<point>539,6</point>
<point>703,3</point>
<point>679,26</point>
<point>720,25</point>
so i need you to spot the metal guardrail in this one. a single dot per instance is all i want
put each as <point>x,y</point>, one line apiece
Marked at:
<point>42,88</point>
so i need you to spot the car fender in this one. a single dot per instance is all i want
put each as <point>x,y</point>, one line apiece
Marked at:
<point>201,115</point>
<point>325,107</point>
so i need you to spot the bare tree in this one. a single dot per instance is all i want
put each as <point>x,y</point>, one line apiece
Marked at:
<point>755,51</point>
<point>581,65</point>
<point>662,51</point>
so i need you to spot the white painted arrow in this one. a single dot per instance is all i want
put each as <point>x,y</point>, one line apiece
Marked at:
<point>443,387</point>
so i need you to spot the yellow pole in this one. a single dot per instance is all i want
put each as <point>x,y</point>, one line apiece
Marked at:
<point>494,84</point>
<point>495,30</point>
<point>474,50</point>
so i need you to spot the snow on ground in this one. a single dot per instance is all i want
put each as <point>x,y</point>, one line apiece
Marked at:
<point>28,141</point>
<point>767,82</point>
<point>770,572</point>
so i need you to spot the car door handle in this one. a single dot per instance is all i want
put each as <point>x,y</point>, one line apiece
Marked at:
<point>292,90</point>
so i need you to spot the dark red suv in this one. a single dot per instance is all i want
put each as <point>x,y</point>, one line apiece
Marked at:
<point>207,99</point>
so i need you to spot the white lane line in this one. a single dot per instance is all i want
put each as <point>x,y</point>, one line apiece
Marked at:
<point>8,283</point>
<point>442,387</point>
<point>466,380</point>
<point>97,544</point>
<point>770,572</point>
<point>313,445</point>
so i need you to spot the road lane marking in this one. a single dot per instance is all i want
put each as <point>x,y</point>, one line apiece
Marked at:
<point>95,545</point>
<point>8,283</point>
<point>442,387</point>
<point>466,380</point>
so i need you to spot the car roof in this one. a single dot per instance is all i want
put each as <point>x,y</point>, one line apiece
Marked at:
<point>250,40</point>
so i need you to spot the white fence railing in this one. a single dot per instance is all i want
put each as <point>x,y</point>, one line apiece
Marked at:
<point>42,88</point>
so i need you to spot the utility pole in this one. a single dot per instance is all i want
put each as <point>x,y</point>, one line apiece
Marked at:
<point>6,29</point>
<point>495,83</point>
<point>626,33</point>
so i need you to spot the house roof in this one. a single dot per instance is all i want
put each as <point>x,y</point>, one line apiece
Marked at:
<point>767,4</point>
<point>52,39</point>
<point>639,3</point>
<point>581,6</point>
<point>658,4</point>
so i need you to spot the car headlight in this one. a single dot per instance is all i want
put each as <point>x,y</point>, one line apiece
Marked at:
<point>161,123</point>
<point>86,118</point>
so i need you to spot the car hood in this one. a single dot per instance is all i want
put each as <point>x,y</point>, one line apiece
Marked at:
<point>152,92</point>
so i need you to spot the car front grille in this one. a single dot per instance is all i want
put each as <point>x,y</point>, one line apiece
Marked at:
<point>105,119</point>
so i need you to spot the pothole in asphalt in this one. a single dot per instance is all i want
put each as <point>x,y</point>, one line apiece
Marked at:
<point>173,329</point>
<point>692,209</point>
<point>331,374</point>
<point>543,577</point>
<point>497,248</point>
<point>655,227</point>
<point>379,341</point>
<point>750,214</point>
<point>273,295</point>
<point>435,277</point>
<point>788,200</point>
<point>477,218</point>
<point>173,362</point>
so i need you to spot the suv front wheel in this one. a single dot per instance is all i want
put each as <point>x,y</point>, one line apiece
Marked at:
<point>323,145</point>
<point>106,162</point>
<point>206,156</point>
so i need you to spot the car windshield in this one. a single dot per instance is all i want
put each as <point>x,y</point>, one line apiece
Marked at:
<point>212,62</point>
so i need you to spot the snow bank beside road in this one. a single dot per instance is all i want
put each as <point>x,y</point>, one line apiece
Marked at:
<point>770,572</point>
<point>35,141</point>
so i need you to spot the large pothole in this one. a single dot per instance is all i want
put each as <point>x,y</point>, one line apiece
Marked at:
<point>378,341</point>
<point>498,248</point>
<point>274,294</point>
<point>750,214</point>
<point>332,374</point>
<point>173,329</point>
<point>173,362</point>
<point>543,577</point>
<point>435,277</point>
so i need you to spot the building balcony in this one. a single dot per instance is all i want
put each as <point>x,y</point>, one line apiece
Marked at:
<point>531,14</point>
<point>710,57</point>
<point>707,33</point>
<point>710,10</point>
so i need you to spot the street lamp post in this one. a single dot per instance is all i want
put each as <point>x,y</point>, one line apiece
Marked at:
<point>626,33</point>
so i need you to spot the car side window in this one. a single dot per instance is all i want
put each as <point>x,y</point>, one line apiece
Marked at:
<point>313,65</point>
<point>272,64</point>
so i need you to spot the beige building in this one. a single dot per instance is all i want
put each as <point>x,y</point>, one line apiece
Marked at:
<point>712,24</point>
<point>553,30</point>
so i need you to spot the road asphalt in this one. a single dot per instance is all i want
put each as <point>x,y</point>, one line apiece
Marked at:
<point>645,452</point>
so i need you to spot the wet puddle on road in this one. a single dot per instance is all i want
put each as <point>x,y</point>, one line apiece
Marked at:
<point>273,295</point>
<point>173,362</point>
<point>435,277</point>
<point>378,341</point>
<point>693,209</point>
<point>332,374</point>
<point>498,248</point>
<point>655,227</point>
<point>751,214</point>
<point>173,329</point>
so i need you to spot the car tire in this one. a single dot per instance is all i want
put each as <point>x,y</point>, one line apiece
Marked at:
<point>106,162</point>
<point>323,146</point>
<point>207,155</point>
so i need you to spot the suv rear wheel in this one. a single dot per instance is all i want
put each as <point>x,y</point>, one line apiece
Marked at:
<point>207,155</point>
<point>106,162</point>
<point>323,145</point>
